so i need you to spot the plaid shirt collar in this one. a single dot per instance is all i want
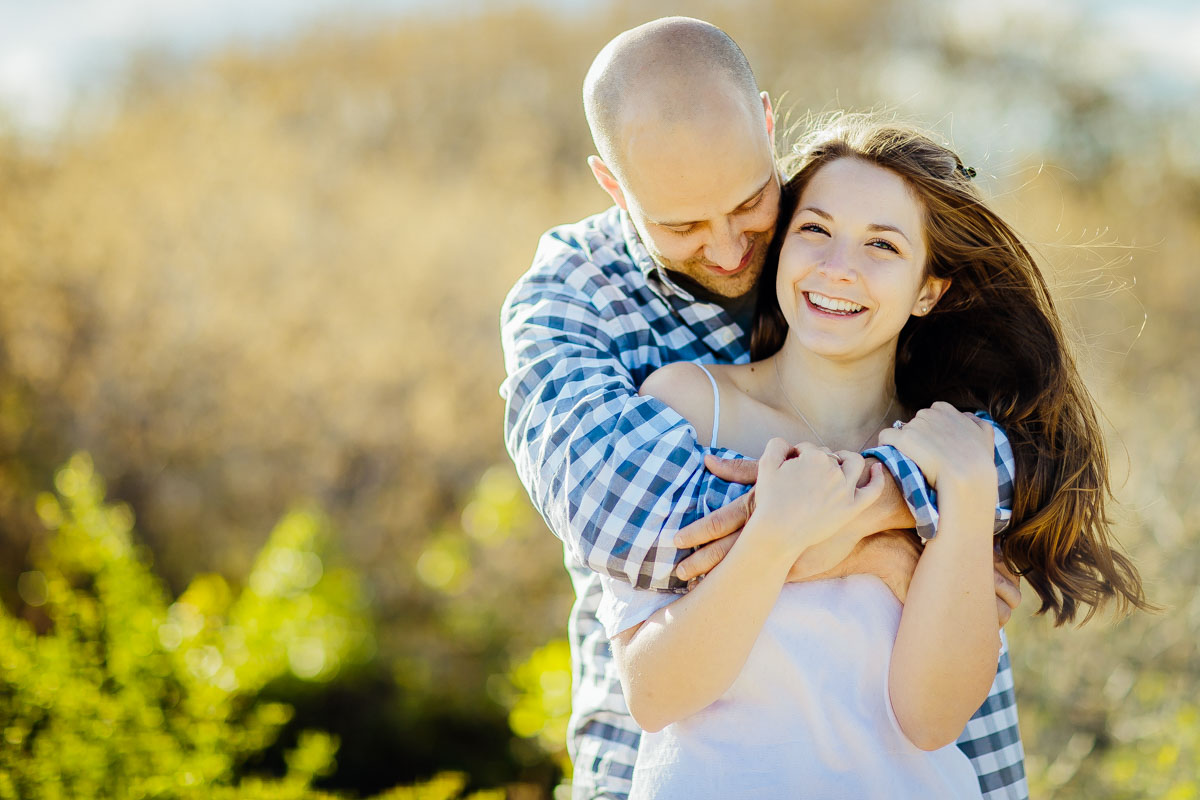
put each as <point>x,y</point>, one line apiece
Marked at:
<point>657,277</point>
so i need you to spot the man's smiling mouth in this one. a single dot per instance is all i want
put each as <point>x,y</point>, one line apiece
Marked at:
<point>745,262</point>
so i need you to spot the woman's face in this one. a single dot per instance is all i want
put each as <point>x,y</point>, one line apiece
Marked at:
<point>851,269</point>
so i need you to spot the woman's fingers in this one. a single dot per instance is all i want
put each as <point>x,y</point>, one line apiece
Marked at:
<point>891,436</point>
<point>909,440</point>
<point>811,466</point>
<point>808,447</point>
<point>853,465</point>
<point>835,456</point>
<point>869,492</point>
<point>774,454</point>
<point>944,441</point>
<point>985,427</point>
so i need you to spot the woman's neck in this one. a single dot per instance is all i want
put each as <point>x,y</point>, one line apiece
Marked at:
<point>842,403</point>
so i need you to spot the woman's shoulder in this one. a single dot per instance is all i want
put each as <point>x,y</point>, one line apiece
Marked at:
<point>684,386</point>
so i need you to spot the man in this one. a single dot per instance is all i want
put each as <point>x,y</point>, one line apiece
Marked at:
<point>669,273</point>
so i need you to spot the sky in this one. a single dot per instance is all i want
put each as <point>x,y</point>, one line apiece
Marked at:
<point>54,51</point>
<point>51,51</point>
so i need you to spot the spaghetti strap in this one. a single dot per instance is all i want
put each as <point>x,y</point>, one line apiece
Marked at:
<point>716,404</point>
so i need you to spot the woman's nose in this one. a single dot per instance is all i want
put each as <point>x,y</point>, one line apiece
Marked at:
<point>838,264</point>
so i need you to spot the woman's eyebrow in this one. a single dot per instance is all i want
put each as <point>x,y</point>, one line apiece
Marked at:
<point>818,212</point>
<point>872,227</point>
<point>891,228</point>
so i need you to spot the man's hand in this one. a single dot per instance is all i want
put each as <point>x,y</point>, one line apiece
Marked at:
<point>890,555</point>
<point>734,470</point>
<point>1008,592</point>
<point>716,533</point>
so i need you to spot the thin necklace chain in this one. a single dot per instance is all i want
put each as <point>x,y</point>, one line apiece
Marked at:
<point>779,379</point>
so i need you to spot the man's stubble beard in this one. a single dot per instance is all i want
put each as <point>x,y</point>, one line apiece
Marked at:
<point>731,286</point>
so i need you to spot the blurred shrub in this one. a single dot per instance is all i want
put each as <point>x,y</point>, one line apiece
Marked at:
<point>123,694</point>
<point>445,786</point>
<point>541,705</point>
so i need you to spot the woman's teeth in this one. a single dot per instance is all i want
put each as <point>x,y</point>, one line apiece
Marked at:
<point>831,304</point>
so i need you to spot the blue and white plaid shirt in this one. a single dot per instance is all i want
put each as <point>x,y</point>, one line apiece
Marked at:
<point>615,475</point>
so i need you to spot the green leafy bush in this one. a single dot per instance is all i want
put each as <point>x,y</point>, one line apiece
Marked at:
<point>111,690</point>
<point>541,705</point>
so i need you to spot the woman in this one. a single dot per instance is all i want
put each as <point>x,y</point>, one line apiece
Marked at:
<point>896,290</point>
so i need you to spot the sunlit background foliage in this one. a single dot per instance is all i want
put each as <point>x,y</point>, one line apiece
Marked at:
<point>259,290</point>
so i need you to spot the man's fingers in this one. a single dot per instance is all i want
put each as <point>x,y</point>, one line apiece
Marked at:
<point>1003,612</point>
<point>1007,590</point>
<point>734,470</point>
<point>1002,568</point>
<point>720,523</point>
<point>1008,593</point>
<point>704,559</point>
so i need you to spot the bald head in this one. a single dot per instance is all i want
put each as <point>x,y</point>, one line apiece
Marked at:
<point>685,145</point>
<point>671,73</point>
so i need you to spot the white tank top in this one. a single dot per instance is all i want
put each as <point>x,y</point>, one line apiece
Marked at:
<point>809,716</point>
<point>716,405</point>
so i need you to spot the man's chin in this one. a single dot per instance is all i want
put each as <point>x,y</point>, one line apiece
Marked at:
<point>734,290</point>
<point>728,284</point>
<point>732,285</point>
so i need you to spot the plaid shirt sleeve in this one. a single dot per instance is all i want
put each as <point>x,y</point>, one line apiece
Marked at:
<point>611,472</point>
<point>922,500</point>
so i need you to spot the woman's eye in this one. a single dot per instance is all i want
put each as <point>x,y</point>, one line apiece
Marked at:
<point>812,227</point>
<point>684,229</point>
<point>884,245</point>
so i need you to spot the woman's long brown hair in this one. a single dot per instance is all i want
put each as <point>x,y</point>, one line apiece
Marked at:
<point>995,342</point>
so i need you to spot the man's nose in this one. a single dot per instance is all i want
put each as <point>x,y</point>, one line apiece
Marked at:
<point>727,245</point>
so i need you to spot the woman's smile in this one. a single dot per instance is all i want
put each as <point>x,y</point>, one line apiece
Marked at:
<point>832,306</point>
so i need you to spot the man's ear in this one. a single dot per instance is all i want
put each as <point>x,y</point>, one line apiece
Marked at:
<point>608,181</point>
<point>929,295</point>
<point>770,115</point>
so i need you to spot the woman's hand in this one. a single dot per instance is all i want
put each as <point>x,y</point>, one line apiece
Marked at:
<point>954,449</point>
<point>806,494</point>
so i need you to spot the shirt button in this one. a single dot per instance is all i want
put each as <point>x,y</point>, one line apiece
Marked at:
<point>727,336</point>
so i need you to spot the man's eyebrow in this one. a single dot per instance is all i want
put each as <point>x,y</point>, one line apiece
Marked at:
<point>872,227</point>
<point>747,201</point>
